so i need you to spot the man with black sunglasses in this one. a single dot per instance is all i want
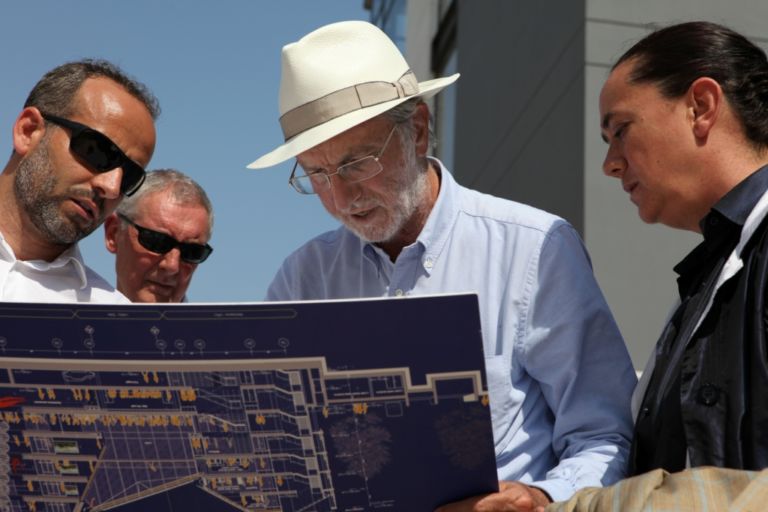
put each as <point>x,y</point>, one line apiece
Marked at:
<point>159,235</point>
<point>80,145</point>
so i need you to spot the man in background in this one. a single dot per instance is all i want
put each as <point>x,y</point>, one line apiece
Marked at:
<point>80,145</point>
<point>159,236</point>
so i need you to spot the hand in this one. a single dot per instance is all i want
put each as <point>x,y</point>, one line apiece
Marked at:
<point>512,497</point>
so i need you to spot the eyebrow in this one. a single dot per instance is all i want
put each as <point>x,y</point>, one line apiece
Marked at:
<point>356,153</point>
<point>606,120</point>
<point>351,155</point>
<point>604,125</point>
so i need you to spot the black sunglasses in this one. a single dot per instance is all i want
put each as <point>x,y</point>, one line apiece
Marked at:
<point>161,243</point>
<point>100,153</point>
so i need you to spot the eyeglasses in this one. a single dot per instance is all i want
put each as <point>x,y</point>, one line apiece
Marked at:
<point>161,243</point>
<point>100,153</point>
<point>352,172</point>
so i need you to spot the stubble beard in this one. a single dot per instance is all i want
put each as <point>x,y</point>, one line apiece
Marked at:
<point>34,184</point>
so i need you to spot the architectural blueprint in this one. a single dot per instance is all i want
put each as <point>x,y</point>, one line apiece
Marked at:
<point>311,406</point>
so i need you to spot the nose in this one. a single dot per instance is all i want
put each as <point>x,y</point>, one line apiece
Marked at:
<point>107,184</point>
<point>344,193</point>
<point>171,261</point>
<point>614,164</point>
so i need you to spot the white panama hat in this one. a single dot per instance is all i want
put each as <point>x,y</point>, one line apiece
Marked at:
<point>337,77</point>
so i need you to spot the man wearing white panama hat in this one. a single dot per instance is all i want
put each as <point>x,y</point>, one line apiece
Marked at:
<point>559,374</point>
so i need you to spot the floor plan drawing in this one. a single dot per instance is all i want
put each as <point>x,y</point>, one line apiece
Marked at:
<point>324,406</point>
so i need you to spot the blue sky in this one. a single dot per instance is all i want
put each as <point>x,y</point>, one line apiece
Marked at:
<point>215,68</point>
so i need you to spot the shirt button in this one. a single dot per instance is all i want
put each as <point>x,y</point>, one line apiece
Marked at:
<point>428,263</point>
<point>708,395</point>
<point>399,293</point>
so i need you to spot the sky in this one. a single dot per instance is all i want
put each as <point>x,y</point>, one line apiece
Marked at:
<point>215,68</point>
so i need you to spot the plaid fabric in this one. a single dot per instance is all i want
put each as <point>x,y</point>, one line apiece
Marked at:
<point>702,489</point>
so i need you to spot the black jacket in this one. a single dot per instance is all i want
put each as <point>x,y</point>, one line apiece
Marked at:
<point>708,396</point>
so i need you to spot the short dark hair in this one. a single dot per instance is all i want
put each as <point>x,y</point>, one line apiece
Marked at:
<point>55,91</point>
<point>674,57</point>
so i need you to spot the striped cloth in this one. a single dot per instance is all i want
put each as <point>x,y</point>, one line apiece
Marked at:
<point>702,489</point>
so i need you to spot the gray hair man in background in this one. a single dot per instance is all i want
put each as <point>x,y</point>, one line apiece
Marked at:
<point>159,236</point>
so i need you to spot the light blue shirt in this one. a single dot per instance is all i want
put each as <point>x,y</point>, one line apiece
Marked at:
<point>559,375</point>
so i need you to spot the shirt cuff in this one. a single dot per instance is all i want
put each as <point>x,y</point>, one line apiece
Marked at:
<point>557,489</point>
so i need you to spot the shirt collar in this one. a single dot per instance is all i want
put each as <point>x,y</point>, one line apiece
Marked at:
<point>436,230</point>
<point>736,205</point>
<point>442,217</point>
<point>71,256</point>
<point>721,228</point>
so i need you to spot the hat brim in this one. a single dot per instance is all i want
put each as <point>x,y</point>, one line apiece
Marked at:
<point>321,133</point>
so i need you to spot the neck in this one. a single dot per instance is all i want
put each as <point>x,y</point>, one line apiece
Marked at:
<point>726,176</point>
<point>415,224</point>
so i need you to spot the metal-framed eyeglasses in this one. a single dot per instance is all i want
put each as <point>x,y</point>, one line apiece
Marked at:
<point>352,172</point>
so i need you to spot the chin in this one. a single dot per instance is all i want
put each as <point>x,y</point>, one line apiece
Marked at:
<point>383,232</point>
<point>151,298</point>
<point>375,237</point>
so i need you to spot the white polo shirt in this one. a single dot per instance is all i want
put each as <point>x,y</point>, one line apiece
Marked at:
<point>65,279</point>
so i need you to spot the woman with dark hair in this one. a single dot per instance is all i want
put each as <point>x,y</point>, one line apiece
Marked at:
<point>685,115</point>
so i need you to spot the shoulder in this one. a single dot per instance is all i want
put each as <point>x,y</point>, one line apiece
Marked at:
<point>510,215</point>
<point>305,273</point>
<point>324,246</point>
<point>100,290</point>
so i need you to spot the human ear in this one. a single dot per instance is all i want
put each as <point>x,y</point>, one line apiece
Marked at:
<point>111,227</point>
<point>28,130</point>
<point>706,97</point>
<point>420,121</point>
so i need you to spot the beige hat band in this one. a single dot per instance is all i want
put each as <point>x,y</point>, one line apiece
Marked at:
<point>344,101</point>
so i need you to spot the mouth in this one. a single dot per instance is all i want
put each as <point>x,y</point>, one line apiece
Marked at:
<point>162,288</point>
<point>88,209</point>
<point>361,213</point>
<point>629,187</point>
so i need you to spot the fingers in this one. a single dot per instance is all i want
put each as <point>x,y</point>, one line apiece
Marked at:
<point>512,497</point>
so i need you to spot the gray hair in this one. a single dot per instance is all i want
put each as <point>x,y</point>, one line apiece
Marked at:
<point>402,113</point>
<point>184,189</point>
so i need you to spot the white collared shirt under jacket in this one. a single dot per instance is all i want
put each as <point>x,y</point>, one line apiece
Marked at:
<point>559,374</point>
<point>65,279</point>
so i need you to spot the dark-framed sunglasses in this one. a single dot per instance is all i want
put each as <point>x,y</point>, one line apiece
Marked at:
<point>100,153</point>
<point>161,243</point>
